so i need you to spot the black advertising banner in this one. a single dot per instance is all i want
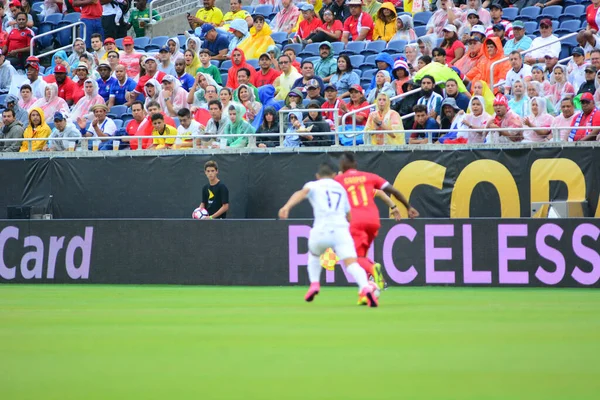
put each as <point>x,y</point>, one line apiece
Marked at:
<point>455,252</point>
<point>440,184</point>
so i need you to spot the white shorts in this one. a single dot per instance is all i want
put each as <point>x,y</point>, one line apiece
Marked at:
<point>339,239</point>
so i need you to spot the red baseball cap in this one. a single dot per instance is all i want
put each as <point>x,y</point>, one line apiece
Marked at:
<point>546,21</point>
<point>587,96</point>
<point>357,88</point>
<point>128,40</point>
<point>109,40</point>
<point>60,69</point>
<point>15,3</point>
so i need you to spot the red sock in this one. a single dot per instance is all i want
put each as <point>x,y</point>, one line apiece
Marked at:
<point>366,264</point>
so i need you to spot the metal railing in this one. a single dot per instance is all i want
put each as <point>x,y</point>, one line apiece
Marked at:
<point>283,121</point>
<point>522,52</point>
<point>197,138</point>
<point>53,32</point>
<point>392,99</point>
<point>174,7</point>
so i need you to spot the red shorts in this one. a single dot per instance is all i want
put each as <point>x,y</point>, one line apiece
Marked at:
<point>363,234</point>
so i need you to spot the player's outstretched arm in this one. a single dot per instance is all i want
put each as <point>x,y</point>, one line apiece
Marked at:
<point>296,198</point>
<point>380,194</point>
<point>391,190</point>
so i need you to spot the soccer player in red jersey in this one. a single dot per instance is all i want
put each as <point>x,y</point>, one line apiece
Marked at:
<point>365,223</point>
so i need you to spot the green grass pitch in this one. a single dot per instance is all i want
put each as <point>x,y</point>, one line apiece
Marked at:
<point>171,342</point>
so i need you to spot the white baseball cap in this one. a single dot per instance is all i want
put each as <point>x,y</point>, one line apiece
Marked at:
<point>478,29</point>
<point>450,28</point>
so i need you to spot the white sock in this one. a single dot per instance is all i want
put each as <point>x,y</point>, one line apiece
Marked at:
<point>314,268</point>
<point>359,275</point>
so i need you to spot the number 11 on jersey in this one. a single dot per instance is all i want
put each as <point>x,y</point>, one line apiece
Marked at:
<point>352,190</point>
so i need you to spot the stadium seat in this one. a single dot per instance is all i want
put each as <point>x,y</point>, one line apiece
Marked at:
<point>225,65</point>
<point>338,47</point>
<point>140,43</point>
<point>296,46</point>
<point>65,36</point>
<point>45,41</point>
<point>253,62</point>
<point>370,60</point>
<point>565,51</point>
<point>396,46</point>
<point>420,30</point>
<point>118,110</point>
<point>216,63</point>
<point>529,13</point>
<point>159,41</point>
<point>3,99</point>
<point>567,27</point>
<point>572,12</point>
<point>38,7</point>
<point>54,18</point>
<point>552,12</point>
<point>72,17</point>
<point>421,18</point>
<point>530,27</point>
<point>369,74</point>
<point>310,50</point>
<point>312,59</point>
<point>364,83</point>
<point>224,79</point>
<point>118,123</point>
<point>119,43</point>
<point>126,118</point>
<point>264,9</point>
<point>510,13</point>
<point>250,9</point>
<point>375,47</point>
<point>182,40</point>
<point>354,47</point>
<point>572,41</point>
<point>356,60</point>
<point>279,37</point>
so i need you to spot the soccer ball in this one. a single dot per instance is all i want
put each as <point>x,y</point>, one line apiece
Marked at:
<point>376,290</point>
<point>199,213</point>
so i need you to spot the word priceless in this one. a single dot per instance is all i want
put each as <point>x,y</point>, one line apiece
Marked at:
<point>29,256</point>
<point>481,252</point>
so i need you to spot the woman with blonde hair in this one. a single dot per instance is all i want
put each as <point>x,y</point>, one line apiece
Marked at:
<point>384,119</point>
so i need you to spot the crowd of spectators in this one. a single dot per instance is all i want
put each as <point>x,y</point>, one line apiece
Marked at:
<point>232,71</point>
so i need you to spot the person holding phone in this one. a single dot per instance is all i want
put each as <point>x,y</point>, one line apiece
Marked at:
<point>209,14</point>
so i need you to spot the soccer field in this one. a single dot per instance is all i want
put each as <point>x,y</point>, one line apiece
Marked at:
<point>171,342</point>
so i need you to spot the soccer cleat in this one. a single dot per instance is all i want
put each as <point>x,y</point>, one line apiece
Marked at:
<point>362,301</point>
<point>313,290</point>
<point>378,276</point>
<point>371,298</point>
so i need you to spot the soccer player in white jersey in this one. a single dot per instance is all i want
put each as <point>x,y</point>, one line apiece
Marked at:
<point>331,228</point>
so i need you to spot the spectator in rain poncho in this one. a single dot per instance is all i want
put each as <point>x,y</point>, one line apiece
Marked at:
<point>383,62</point>
<point>260,39</point>
<point>237,125</point>
<point>194,44</point>
<point>405,29</point>
<point>384,119</point>
<point>174,49</point>
<point>51,103</point>
<point>382,85</point>
<point>172,97</point>
<point>85,104</point>
<point>239,29</point>
<point>247,98</point>
<point>476,118</point>
<point>38,128</point>
<point>151,91</point>
<point>20,114</point>
<point>26,97</point>
<point>538,118</point>
<point>504,118</point>
<point>295,126</point>
<point>446,14</point>
<point>197,94</point>
<point>60,57</point>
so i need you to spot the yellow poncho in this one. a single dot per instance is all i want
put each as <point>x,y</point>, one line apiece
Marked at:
<point>257,43</point>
